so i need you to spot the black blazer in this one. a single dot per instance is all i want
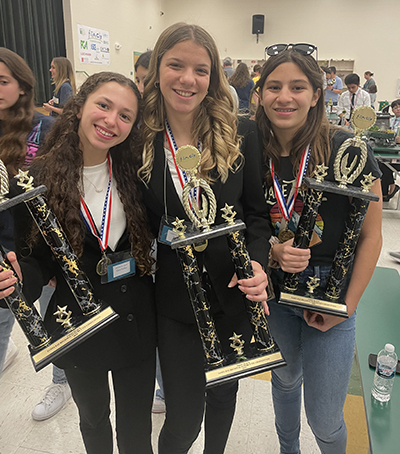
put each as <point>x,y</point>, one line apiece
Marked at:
<point>126,341</point>
<point>243,190</point>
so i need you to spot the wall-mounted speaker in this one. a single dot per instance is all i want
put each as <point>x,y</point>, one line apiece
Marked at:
<point>258,24</point>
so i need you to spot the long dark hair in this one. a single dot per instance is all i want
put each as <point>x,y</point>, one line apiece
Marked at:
<point>18,123</point>
<point>240,77</point>
<point>60,165</point>
<point>315,131</point>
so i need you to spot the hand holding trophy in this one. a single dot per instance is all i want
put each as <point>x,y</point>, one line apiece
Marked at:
<point>73,328</point>
<point>311,296</point>
<point>245,358</point>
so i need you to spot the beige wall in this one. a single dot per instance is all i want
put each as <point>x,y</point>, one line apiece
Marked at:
<point>363,30</point>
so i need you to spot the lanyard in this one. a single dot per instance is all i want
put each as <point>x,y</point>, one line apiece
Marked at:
<point>183,178</point>
<point>286,208</point>
<point>106,217</point>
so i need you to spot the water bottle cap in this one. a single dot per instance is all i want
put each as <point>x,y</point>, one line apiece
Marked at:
<point>389,348</point>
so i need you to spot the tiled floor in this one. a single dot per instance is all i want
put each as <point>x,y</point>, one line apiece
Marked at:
<point>253,428</point>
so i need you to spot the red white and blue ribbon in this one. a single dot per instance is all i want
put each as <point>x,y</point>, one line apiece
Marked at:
<point>286,208</point>
<point>183,178</point>
<point>103,236</point>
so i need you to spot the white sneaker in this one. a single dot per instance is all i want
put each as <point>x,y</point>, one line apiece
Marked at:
<point>55,397</point>
<point>12,352</point>
<point>158,405</point>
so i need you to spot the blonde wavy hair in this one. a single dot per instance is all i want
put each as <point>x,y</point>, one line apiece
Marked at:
<point>215,124</point>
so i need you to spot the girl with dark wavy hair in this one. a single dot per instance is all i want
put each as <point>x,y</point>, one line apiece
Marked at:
<point>318,348</point>
<point>89,165</point>
<point>22,131</point>
<point>187,102</point>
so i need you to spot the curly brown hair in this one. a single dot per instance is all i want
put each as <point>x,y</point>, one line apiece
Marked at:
<point>316,130</point>
<point>60,168</point>
<point>18,122</point>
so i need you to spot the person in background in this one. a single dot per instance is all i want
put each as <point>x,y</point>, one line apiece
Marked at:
<point>389,187</point>
<point>318,348</point>
<point>22,132</point>
<point>370,87</point>
<point>187,102</point>
<point>56,395</point>
<point>141,69</point>
<point>227,64</point>
<point>334,86</point>
<point>95,148</point>
<point>354,97</point>
<point>257,71</point>
<point>63,77</point>
<point>243,84</point>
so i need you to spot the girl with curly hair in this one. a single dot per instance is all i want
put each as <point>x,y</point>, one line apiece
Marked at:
<point>89,165</point>
<point>188,102</point>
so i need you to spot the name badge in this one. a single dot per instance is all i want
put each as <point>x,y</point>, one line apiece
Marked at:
<point>120,265</point>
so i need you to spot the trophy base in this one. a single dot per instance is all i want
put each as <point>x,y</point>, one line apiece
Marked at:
<point>64,340</point>
<point>254,361</point>
<point>316,301</point>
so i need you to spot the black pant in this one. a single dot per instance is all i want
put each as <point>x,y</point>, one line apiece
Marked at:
<point>182,366</point>
<point>133,391</point>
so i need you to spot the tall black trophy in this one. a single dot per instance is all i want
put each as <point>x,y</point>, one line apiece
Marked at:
<point>73,328</point>
<point>310,296</point>
<point>249,358</point>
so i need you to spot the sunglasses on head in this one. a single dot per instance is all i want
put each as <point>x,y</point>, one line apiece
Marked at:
<point>302,48</point>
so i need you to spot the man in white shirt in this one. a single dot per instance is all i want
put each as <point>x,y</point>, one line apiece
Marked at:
<point>354,97</point>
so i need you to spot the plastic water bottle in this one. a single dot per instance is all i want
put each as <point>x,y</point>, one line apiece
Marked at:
<point>384,373</point>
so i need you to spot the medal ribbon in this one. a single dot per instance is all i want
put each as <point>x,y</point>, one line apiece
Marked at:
<point>183,179</point>
<point>286,208</point>
<point>106,217</point>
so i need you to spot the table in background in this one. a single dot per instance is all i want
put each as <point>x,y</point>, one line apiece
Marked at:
<point>377,323</point>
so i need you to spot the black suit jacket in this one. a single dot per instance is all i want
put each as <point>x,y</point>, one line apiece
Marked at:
<point>243,190</point>
<point>126,341</point>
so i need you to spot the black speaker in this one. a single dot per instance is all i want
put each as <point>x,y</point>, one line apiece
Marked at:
<point>258,24</point>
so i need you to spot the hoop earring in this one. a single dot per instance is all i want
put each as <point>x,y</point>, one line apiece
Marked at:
<point>157,84</point>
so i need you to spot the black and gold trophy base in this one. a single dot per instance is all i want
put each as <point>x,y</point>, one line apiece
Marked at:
<point>64,340</point>
<point>234,367</point>
<point>316,301</point>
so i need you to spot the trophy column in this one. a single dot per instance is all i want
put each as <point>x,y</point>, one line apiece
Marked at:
<point>245,358</point>
<point>310,296</point>
<point>72,328</point>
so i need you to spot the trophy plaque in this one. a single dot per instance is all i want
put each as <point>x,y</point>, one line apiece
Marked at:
<point>73,328</point>
<point>310,295</point>
<point>245,358</point>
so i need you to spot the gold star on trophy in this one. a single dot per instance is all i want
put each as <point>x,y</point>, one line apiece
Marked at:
<point>312,283</point>
<point>237,344</point>
<point>64,316</point>
<point>367,182</point>
<point>320,173</point>
<point>179,227</point>
<point>229,214</point>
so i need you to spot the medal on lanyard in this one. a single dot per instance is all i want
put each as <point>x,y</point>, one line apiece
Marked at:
<point>102,237</point>
<point>186,159</point>
<point>286,207</point>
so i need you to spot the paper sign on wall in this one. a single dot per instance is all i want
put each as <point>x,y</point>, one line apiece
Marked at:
<point>94,46</point>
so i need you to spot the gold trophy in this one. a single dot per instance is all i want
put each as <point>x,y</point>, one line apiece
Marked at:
<point>346,169</point>
<point>245,359</point>
<point>73,328</point>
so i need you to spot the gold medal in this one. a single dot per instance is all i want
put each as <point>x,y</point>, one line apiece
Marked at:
<point>101,267</point>
<point>285,235</point>
<point>187,158</point>
<point>200,247</point>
